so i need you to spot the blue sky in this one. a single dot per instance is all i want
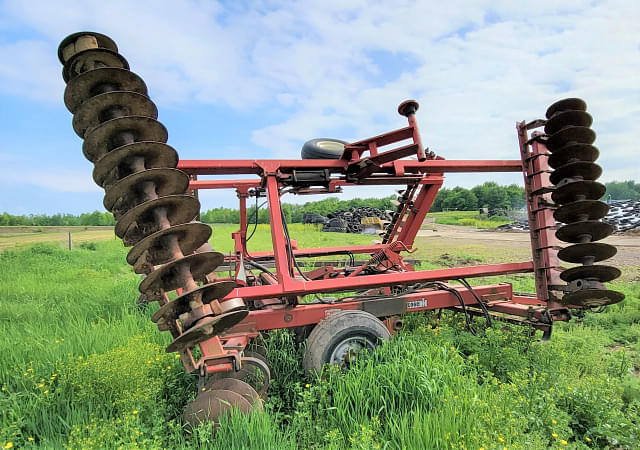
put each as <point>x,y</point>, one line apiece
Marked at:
<point>257,79</point>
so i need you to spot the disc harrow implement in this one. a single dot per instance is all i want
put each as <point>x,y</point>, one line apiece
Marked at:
<point>222,303</point>
<point>577,193</point>
<point>146,193</point>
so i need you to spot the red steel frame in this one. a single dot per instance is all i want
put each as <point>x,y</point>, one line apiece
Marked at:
<point>425,176</point>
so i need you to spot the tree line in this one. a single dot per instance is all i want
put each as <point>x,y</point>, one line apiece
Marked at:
<point>489,195</point>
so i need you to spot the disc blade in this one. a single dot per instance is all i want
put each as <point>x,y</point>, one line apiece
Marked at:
<point>592,297</point>
<point>88,115</point>
<point>564,119</point>
<point>180,305</point>
<point>190,237</point>
<point>578,252</point>
<point>102,41</point>
<point>92,59</point>
<point>169,277</point>
<point>237,386</point>
<point>603,274</point>
<point>83,87</point>
<point>128,192</point>
<point>578,190</point>
<point>179,208</point>
<point>576,104</point>
<point>576,232</point>
<point>573,152</point>
<point>255,371</point>
<point>102,139</point>
<point>578,169</point>
<point>209,406</point>
<point>156,155</point>
<point>579,135</point>
<point>581,210</point>
<point>205,329</point>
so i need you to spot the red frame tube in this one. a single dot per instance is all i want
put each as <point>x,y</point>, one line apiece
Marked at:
<point>354,169</point>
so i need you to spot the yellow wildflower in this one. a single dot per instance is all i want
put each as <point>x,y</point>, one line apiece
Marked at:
<point>41,385</point>
<point>30,439</point>
<point>168,367</point>
<point>554,421</point>
<point>500,438</point>
<point>134,412</point>
<point>307,385</point>
<point>177,355</point>
<point>555,435</point>
<point>8,445</point>
<point>46,391</point>
<point>588,439</point>
<point>563,442</point>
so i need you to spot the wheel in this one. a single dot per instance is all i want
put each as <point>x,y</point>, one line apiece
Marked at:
<point>342,335</point>
<point>323,148</point>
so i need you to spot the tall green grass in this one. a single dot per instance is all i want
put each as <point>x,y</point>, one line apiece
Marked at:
<point>82,367</point>
<point>469,219</point>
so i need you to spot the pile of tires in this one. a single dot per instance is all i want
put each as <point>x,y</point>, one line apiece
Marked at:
<point>350,220</point>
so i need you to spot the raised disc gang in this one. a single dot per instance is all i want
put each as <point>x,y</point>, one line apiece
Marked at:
<point>145,192</point>
<point>577,193</point>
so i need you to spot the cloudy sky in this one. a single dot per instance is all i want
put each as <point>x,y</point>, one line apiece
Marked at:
<point>257,79</point>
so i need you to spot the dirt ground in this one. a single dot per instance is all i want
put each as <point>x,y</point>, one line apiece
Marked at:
<point>518,242</point>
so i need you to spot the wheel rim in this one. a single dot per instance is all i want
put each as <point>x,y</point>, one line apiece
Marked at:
<point>346,350</point>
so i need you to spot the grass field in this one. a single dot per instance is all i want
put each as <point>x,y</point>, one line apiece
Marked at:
<point>82,367</point>
<point>12,237</point>
<point>468,219</point>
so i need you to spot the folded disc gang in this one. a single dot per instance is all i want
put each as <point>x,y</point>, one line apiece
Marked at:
<point>577,196</point>
<point>144,190</point>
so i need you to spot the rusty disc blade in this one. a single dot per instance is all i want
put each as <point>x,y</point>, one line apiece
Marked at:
<point>578,252</point>
<point>578,169</point>
<point>209,406</point>
<point>101,139</point>
<point>156,155</point>
<point>603,274</point>
<point>83,87</point>
<point>566,118</point>
<point>237,386</point>
<point>190,237</point>
<point>592,297</point>
<point>206,328</point>
<point>102,40</point>
<point>128,192</point>
<point>255,371</point>
<point>575,104</point>
<point>168,277</point>
<point>232,304</point>
<point>581,210</point>
<point>579,135</point>
<point>94,58</point>
<point>88,115</point>
<point>180,209</point>
<point>180,305</point>
<point>575,232</point>
<point>578,190</point>
<point>573,152</point>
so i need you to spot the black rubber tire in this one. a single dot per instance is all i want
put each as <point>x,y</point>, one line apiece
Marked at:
<point>336,328</point>
<point>323,148</point>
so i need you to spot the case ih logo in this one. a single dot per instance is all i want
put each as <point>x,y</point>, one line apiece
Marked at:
<point>422,303</point>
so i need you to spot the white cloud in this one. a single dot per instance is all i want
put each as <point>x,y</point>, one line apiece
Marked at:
<point>476,69</point>
<point>61,180</point>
